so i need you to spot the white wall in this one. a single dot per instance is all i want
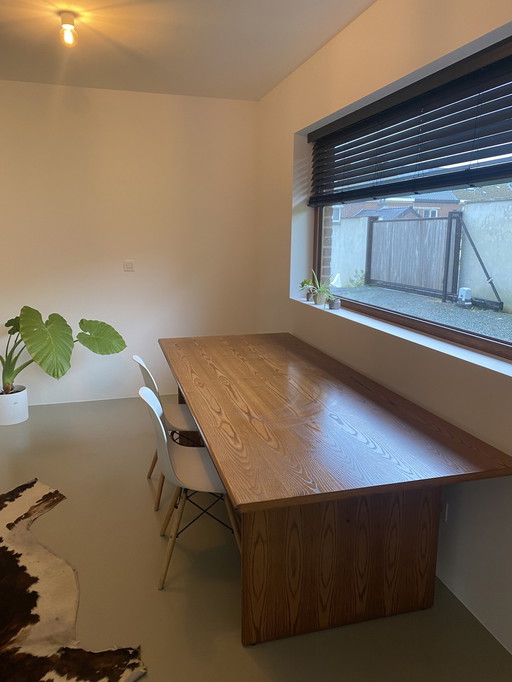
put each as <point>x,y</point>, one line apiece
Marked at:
<point>92,177</point>
<point>390,40</point>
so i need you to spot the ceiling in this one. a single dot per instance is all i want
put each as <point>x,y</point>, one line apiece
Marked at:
<point>235,49</point>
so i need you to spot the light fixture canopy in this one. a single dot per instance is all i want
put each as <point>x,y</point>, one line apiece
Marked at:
<point>68,34</point>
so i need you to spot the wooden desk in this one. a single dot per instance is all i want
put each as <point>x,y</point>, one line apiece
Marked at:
<point>337,480</point>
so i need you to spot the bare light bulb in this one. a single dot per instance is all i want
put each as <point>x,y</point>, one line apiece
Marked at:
<point>68,35</point>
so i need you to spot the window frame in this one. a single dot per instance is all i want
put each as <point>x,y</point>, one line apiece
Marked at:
<point>468,339</point>
<point>367,120</point>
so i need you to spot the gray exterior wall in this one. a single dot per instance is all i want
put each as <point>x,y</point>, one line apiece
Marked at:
<point>490,226</point>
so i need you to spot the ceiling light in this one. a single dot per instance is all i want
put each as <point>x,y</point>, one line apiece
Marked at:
<point>68,35</point>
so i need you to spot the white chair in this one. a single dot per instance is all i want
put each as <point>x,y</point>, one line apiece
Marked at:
<point>177,419</point>
<point>190,469</point>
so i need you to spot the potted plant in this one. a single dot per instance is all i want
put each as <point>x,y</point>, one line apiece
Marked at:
<point>333,301</point>
<point>321,291</point>
<point>308,285</point>
<point>49,344</point>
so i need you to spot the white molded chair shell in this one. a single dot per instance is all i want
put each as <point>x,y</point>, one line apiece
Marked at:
<point>186,467</point>
<point>190,469</point>
<point>176,417</point>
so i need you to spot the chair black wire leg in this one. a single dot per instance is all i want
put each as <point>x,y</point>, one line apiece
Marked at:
<point>203,511</point>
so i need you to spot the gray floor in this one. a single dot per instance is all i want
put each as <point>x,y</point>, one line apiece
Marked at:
<point>97,454</point>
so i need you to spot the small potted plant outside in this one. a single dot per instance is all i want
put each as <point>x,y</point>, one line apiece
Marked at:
<point>321,291</point>
<point>308,286</point>
<point>49,344</point>
<point>333,301</point>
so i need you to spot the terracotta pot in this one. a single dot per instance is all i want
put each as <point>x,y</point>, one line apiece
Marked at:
<point>14,406</point>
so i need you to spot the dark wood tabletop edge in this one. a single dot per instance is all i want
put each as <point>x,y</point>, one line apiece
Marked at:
<point>320,498</point>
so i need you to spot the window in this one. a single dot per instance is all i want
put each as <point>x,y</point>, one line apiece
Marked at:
<point>336,214</point>
<point>414,203</point>
<point>428,212</point>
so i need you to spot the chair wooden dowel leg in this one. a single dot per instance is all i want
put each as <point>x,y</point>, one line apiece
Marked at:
<point>176,520</point>
<point>170,510</point>
<point>159,492</point>
<point>152,465</point>
<point>234,521</point>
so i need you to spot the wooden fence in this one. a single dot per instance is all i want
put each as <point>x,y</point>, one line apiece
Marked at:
<point>420,255</point>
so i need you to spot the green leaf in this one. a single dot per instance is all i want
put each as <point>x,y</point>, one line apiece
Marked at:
<point>100,337</point>
<point>14,323</point>
<point>49,343</point>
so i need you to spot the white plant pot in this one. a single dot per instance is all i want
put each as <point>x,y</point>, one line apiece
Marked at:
<point>14,406</point>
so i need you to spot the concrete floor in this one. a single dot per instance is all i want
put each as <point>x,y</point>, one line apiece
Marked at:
<point>97,454</point>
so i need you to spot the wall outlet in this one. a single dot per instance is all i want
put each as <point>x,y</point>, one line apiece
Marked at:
<point>129,266</point>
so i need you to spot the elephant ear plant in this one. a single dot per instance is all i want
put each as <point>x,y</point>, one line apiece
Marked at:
<point>50,344</point>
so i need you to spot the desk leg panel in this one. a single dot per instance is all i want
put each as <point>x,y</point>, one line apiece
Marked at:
<point>320,565</point>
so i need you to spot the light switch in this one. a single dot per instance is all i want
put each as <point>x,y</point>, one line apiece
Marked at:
<point>129,266</point>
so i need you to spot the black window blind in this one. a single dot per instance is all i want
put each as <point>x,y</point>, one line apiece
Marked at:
<point>445,131</point>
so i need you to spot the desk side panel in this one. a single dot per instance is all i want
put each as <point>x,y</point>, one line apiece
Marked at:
<point>323,565</point>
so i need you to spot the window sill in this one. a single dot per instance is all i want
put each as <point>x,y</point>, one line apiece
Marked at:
<point>490,362</point>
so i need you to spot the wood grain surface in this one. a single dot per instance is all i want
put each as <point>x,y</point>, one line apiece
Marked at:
<point>307,568</point>
<point>335,479</point>
<point>285,423</point>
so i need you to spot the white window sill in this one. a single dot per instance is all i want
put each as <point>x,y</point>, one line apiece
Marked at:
<point>490,362</point>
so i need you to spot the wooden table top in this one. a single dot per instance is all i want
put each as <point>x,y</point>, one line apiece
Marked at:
<point>285,423</point>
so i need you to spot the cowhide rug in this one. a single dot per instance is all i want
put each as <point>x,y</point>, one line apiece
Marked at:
<point>39,601</point>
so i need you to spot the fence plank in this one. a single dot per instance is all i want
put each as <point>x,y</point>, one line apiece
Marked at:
<point>409,253</point>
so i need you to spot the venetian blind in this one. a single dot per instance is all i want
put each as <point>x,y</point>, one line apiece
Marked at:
<point>452,129</point>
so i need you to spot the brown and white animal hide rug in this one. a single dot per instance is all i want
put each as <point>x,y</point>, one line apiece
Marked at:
<point>38,604</point>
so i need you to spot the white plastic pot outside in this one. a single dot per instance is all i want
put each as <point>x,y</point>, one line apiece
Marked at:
<point>14,406</point>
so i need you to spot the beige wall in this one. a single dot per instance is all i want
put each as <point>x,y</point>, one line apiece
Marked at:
<point>390,40</point>
<point>90,178</point>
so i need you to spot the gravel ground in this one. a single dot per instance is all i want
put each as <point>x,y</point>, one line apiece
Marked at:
<point>489,322</point>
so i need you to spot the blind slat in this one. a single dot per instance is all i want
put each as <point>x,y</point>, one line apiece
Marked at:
<point>447,134</point>
<point>477,124</point>
<point>424,184</point>
<point>396,154</point>
<point>494,145</point>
